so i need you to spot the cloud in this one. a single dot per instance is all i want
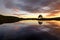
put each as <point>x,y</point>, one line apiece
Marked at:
<point>33,6</point>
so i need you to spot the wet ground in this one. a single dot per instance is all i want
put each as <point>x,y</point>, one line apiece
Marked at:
<point>30,30</point>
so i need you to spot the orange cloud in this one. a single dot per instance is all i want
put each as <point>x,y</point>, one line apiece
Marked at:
<point>54,14</point>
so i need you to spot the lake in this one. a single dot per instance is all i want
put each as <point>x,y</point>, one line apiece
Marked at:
<point>30,29</point>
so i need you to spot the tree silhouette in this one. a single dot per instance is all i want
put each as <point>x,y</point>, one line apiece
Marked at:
<point>40,16</point>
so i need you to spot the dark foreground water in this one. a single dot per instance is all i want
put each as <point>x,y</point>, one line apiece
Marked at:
<point>30,30</point>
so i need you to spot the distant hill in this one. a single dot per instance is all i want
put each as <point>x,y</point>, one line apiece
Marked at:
<point>8,19</point>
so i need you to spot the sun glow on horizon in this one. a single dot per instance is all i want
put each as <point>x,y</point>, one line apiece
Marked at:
<point>23,14</point>
<point>33,15</point>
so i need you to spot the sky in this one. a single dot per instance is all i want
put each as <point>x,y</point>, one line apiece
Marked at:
<point>29,7</point>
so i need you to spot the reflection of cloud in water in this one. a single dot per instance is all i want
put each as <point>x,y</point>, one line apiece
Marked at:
<point>29,27</point>
<point>56,23</point>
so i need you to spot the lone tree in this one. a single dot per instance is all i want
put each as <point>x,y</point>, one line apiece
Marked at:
<point>40,16</point>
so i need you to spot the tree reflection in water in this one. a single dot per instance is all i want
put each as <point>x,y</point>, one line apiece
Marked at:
<point>40,22</point>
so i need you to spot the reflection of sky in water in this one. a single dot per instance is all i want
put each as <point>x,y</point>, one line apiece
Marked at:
<point>11,29</point>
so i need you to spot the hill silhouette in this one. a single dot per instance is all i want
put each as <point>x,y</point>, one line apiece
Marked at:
<point>8,19</point>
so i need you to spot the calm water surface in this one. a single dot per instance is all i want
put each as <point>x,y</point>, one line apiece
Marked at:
<point>28,29</point>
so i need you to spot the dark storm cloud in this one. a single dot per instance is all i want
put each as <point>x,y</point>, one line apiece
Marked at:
<point>33,5</point>
<point>8,3</point>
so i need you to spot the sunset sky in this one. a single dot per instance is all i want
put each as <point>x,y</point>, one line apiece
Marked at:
<point>30,8</point>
